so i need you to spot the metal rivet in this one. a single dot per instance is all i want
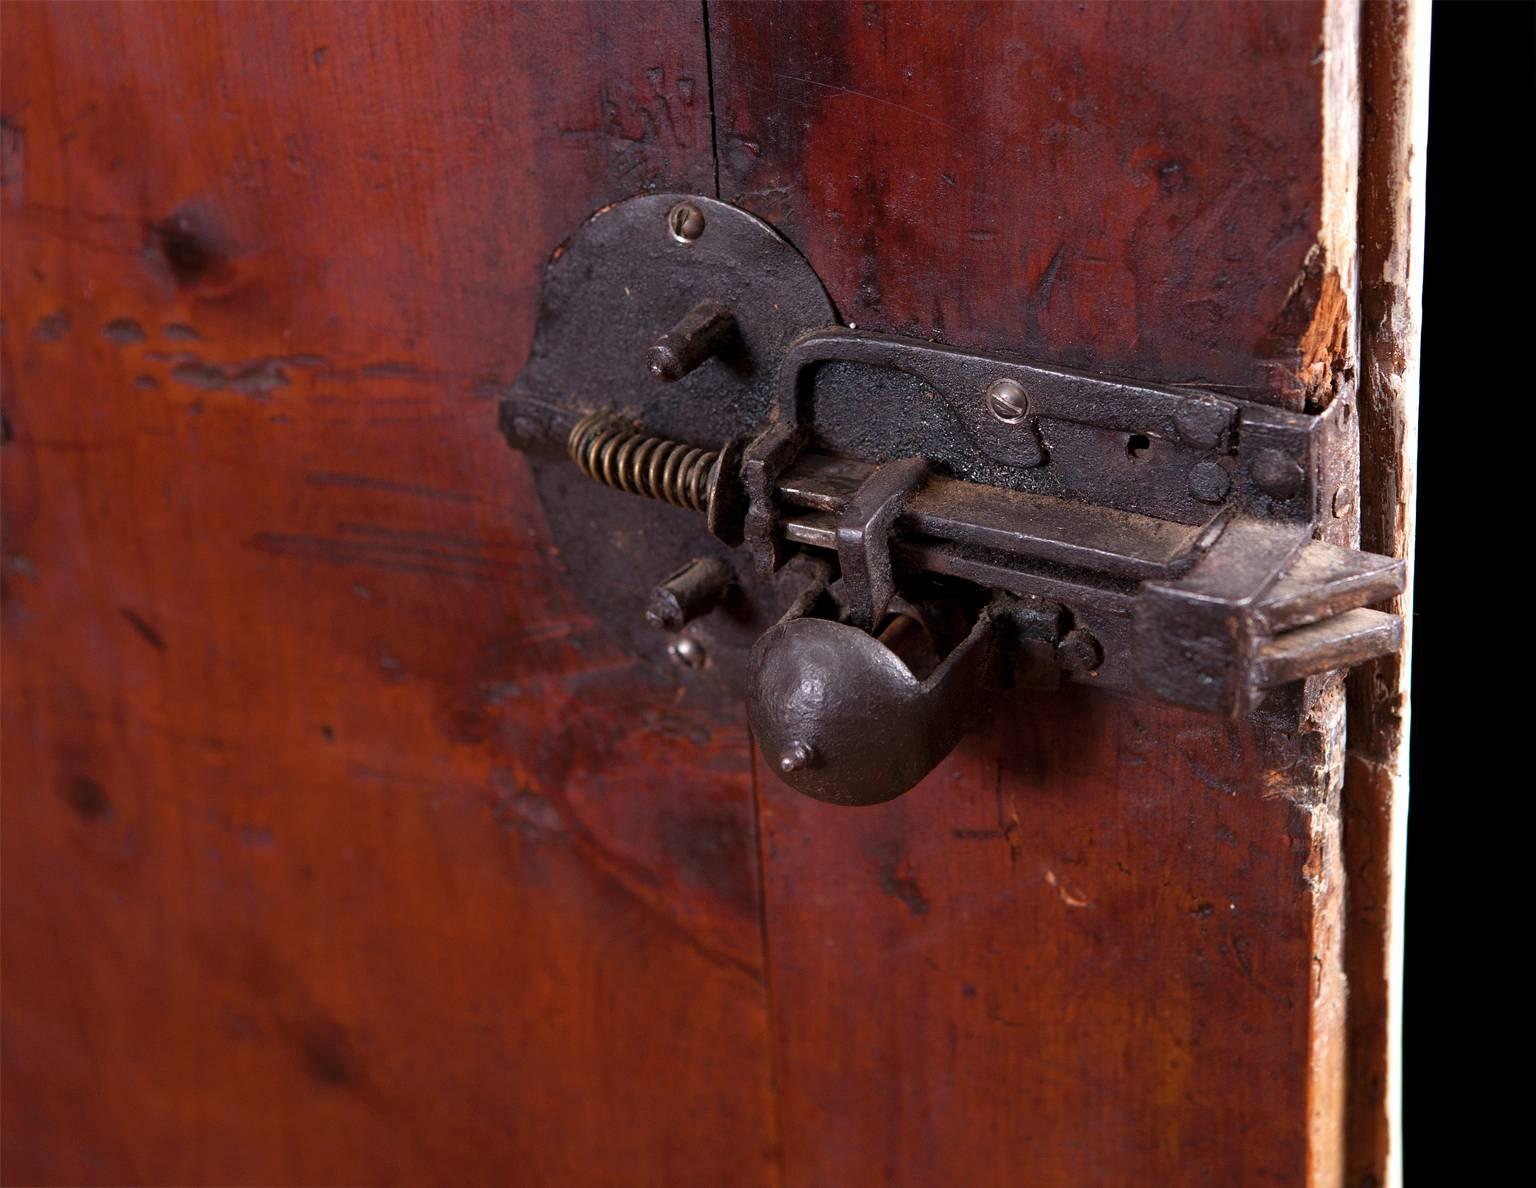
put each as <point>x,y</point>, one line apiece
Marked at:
<point>1202,423</point>
<point>1209,482</point>
<point>1007,401</point>
<point>1276,473</point>
<point>686,222</point>
<point>687,651</point>
<point>796,756</point>
<point>1079,651</point>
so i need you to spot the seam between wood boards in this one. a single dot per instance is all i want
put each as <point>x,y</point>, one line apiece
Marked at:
<point>777,1113</point>
<point>709,83</point>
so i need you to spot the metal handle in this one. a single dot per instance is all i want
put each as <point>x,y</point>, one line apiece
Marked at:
<point>845,720</point>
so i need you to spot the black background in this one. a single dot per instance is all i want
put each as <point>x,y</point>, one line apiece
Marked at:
<point>1466,998</point>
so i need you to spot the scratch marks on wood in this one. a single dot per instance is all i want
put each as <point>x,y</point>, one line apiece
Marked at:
<point>1069,894</point>
<point>253,377</point>
<point>326,1050</point>
<point>1008,824</point>
<point>393,550</point>
<point>13,152</point>
<point>641,124</point>
<point>397,550</point>
<point>146,632</point>
<point>52,327</point>
<point>1048,275</point>
<point>123,331</point>
<point>87,797</point>
<point>865,95</point>
<point>1214,753</point>
<point>516,808</point>
<point>392,369</point>
<point>367,482</point>
<point>897,879</point>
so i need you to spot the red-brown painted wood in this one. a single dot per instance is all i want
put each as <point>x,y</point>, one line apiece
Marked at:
<point>1129,187</point>
<point>339,845</point>
<point>1098,946</point>
<point>342,846</point>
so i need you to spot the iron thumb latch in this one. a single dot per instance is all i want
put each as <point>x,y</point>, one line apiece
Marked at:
<point>863,531</point>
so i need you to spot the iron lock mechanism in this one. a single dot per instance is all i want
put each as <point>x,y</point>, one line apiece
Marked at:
<point>864,531</point>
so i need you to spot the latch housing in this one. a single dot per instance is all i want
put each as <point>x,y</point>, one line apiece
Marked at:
<point>865,529</point>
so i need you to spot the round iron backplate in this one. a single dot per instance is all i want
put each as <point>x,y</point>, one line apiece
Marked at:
<point>610,291</point>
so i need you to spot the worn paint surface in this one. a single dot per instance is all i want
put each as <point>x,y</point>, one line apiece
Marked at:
<point>342,845</point>
<point>1102,943</point>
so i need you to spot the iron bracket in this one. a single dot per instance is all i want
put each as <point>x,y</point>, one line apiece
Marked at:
<point>1169,536</point>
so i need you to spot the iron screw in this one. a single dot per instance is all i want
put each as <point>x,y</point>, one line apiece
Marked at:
<point>686,222</point>
<point>687,651</point>
<point>796,756</point>
<point>1007,401</point>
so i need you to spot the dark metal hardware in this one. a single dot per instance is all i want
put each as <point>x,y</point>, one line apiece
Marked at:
<point>704,330</point>
<point>1013,523</point>
<point>846,721</point>
<point>693,590</point>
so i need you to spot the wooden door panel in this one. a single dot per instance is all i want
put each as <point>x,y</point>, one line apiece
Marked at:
<point>1083,947</point>
<point>1134,188</point>
<point>1102,943</point>
<point>343,844</point>
<point>340,845</point>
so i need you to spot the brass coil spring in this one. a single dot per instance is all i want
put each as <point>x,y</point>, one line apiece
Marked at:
<point>613,454</point>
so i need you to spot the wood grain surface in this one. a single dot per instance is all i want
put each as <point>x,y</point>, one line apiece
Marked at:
<point>342,845</point>
<point>1102,944</point>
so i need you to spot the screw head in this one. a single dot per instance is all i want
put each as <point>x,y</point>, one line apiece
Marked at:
<point>1079,651</point>
<point>1209,482</point>
<point>1007,401</point>
<point>687,651</point>
<point>1276,473</point>
<point>686,222</point>
<point>797,755</point>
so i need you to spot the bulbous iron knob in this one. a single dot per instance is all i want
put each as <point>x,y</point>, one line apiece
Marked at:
<point>842,718</point>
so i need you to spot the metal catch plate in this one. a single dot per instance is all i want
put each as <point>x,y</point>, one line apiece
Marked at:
<point>609,291</point>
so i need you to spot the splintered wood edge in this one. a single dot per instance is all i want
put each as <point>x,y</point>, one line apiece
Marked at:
<point>1395,88</point>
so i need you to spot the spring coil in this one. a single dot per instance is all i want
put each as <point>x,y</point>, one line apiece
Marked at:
<point>608,451</point>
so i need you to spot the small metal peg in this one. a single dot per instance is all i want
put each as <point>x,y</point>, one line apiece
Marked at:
<point>796,756</point>
<point>693,590</point>
<point>687,651</point>
<point>700,335</point>
<point>1079,651</point>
